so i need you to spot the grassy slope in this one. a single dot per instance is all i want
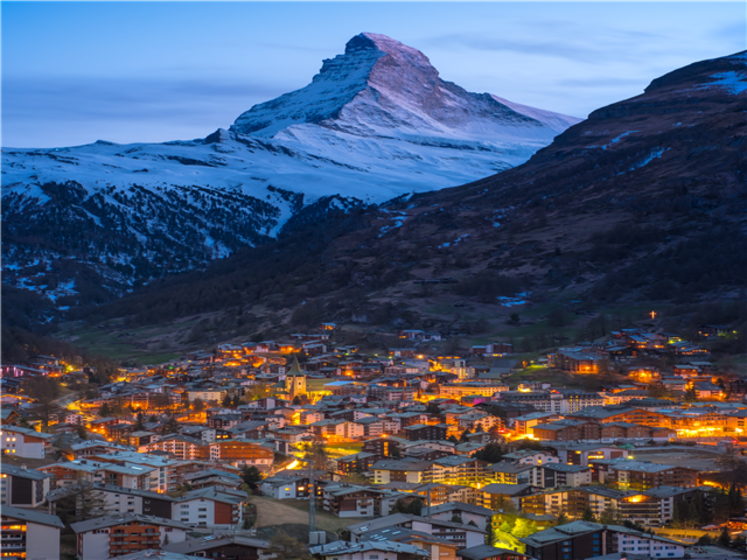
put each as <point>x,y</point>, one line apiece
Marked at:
<point>273,512</point>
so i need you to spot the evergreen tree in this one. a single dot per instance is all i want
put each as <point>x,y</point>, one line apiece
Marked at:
<point>251,477</point>
<point>81,432</point>
<point>432,409</point>
<point>490,532</point>
<point>721,505</point>
<point>226,403</point>
<point>690,395</point>
<point>700,510</point>
<point>198,405</point>
<point>138,426</point>
<point>171,426</point>
<point>588,515</point>
<point>736,503</point>
<point>724,539</point>
<point>492,453</point>
<point>608,516</point>
<point>562,519</point>
<point>236,401</point>
<point>79,502</point>
<point>296,400</point>
<point>105,411</point>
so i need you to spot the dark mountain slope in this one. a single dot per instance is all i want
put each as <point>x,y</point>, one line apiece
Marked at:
<point>644,200</point>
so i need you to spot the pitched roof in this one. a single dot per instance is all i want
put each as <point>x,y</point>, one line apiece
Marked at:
<point>344,547</point>
<point>484,551</point>
<point>213,541</point>
<point>32,516</point>
<point>112,520</point>
<point>461,506</point>
<point>22,472</point>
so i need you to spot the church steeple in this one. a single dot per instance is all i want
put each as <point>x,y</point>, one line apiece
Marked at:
<point>295,379</point>
<point>295,367</point>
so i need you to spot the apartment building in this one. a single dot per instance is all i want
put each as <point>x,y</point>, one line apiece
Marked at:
<point>23,487</point>
<point>30,534</point>
<point>210,507</point>
<point>105,537</point>
<point>24,442</point>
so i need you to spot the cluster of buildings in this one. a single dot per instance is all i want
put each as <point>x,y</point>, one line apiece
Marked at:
<point>160,452</point>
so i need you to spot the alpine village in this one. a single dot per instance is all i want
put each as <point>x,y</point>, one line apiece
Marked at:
<point>546,363</point>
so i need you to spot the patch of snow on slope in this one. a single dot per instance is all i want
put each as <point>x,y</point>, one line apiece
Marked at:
<point>732,81</point>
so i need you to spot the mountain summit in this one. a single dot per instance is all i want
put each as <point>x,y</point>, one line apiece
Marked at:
<point>383,87</point>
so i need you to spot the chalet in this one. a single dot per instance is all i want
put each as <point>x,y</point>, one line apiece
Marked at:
<point>104,537</point>
<point>523,424</point>
<point>572,541</point>
<point>642,475</point>
<point>463,535</point>
<point>239,452</point>
<point>386,446</point>
<point>584,453</point>
<point>181,447</point>
<point>221,479</point>
<point>358,463</point>
<point>582,539</point>
<point>439,549</point>
<point>576,360</point>
<point>426,432</point>
<point>435,494</point>
<point>348,500</point>
<point>510,473</point>
<point>553,475</point>
<point>480,516</point>
<point>400,471</point>
<point>567,430</point>
<point>497,496</point>
<point>709,331</point>
<point>459,470</point>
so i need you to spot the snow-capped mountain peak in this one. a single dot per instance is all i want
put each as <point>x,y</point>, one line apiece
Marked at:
<point>377,122</point>
<point>382,87</point>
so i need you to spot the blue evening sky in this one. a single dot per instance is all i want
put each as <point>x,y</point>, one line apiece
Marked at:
<point>76,72</point>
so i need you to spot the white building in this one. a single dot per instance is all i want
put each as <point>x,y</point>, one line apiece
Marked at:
<point>634,542</point>
<point>30,534</point>
<point>207,395</point>
<point>24,442</point>
<point>209,507</point>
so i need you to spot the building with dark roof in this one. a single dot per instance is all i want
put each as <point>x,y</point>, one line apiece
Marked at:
<point>30,534</point>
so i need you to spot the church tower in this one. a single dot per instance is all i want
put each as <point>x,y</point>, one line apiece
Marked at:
<point>295,380</point>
